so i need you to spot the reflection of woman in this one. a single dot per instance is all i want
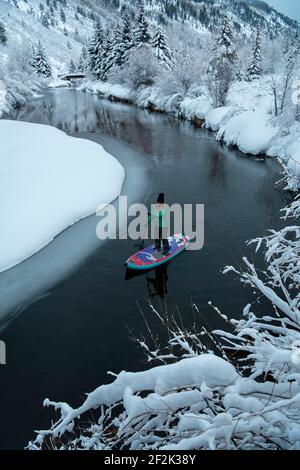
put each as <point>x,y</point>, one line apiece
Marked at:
<point>158,218</point>
<point>159,283</point>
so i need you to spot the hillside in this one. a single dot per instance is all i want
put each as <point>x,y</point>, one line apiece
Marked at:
<point>64,26</point>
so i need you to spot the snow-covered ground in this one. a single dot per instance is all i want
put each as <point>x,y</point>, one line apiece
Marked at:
<point>48,181</point>
<point>247,121</point>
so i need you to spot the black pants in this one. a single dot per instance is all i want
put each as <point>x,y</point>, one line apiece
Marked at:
<point>164,241</point>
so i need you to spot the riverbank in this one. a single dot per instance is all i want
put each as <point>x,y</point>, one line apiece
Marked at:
<point>246,122</point>
<point>51,181</point>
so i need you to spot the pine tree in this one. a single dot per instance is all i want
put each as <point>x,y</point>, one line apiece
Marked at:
<point>141,34</point>
<point>3,35</point>
<point>222,66</point>
<point>95,46</point>
<point>126,43</point>
<point>161,48</point>
<point>83,60</point>
<point>225,43</point>
<point>39,61</point>
<point>72,67</point>
<point>103,62</point>
<point>255,68</point>
<point>62,15</point>
<point>45,20</point>
<point>115,57</point>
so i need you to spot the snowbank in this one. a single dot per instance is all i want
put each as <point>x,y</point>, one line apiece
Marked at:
<point>108,90</point>
<point>59,83</point>
<point>48,181</point>
<point>250,132</point>
<point>216,118</point>
<point>195,108</point>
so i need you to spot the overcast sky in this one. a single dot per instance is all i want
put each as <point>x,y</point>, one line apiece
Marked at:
<point>288,7</point>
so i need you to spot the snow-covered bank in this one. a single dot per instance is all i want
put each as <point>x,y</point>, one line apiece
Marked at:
<point>109,91</point>
<point>48,181</point>
<point>246,122</point>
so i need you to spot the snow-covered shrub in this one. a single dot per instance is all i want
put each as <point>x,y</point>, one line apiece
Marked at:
<point>18,78</point>
<point>142,68</point>
<point>187,72</point>
<point>231,390</point>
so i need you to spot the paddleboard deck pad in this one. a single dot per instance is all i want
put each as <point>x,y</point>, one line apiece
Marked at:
<point>150,258</point>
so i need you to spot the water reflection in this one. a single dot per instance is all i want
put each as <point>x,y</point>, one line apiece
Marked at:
<point>156,281</point>
<point>158,285</point>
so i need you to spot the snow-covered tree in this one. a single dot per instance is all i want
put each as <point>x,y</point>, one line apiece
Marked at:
<point>45,20</point>
<point>95,47</point>
<point>72,66</point>
<point>282,81</point>
<point>255,69</point>
<point>40,62</point>
<point>162,50</point>
<point>126,41</point>
<point>141,33</point>
<point>62,15</point>
<point>3,35</point>
<point>142,68</point>
<point>104,62</point>
<point>83,60</point>
<point>115,57</point>
<point>76,34</point>
<point>222,66</point>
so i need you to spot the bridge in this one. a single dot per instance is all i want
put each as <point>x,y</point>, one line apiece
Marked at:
<point>72,76</point>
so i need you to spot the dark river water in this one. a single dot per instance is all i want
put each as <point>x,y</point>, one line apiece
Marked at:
<point>68,313</point>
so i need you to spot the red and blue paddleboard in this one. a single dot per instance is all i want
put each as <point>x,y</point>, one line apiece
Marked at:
<point>150,258</point>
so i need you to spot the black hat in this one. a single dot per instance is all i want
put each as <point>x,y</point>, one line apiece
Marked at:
<point>161,198</point>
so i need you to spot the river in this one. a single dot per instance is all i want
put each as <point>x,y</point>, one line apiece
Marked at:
<point>69,312</point>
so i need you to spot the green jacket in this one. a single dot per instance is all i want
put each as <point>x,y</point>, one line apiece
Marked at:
<point>158,217</point>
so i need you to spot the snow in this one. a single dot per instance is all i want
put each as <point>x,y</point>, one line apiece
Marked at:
<point>58,83</point>
<point>192,108</point>
<point>208,370</point>
<point>294,159</point>
<point>216,118</point>
<point>250,132</point>
<point>108,90</point>
<point>49,181</point>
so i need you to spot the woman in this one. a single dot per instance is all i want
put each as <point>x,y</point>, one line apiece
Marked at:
<point>158,218</point>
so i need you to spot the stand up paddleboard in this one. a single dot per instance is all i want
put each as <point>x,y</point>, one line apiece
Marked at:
<point>150,258</point>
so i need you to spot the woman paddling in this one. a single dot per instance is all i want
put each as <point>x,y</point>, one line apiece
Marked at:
<point>158,216</point>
